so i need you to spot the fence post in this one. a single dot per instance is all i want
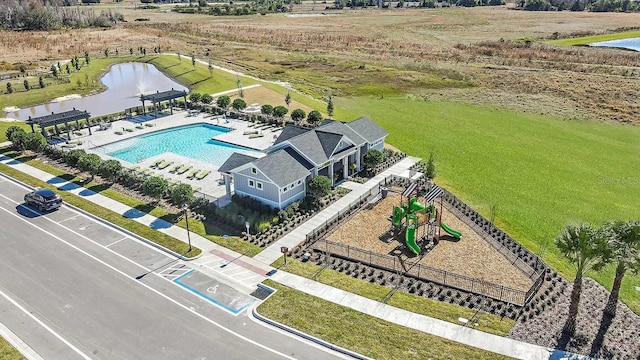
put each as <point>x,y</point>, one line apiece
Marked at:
<point>444,279</point>
<point>501,291</point>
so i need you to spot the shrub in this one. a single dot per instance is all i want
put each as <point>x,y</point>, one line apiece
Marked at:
<point>314,117</point>
<point>110,169</point>
<point>73,156</point>
<point>155,186</point>
<point>319,187</point>
<point>12,130</point>
<point>182,194</point>
<point>239,104</point>
<point>89,163</point>
<point>297,115</point>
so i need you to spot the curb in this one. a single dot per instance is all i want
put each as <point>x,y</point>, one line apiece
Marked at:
<point>111,225</point>
<point>23,348</point>
<point>313,339</point>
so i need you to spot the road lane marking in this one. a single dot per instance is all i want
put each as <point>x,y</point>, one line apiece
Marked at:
<point>34,318</point>
<point>117,241</point>
<point>216,324</point>
<point>73,217</point>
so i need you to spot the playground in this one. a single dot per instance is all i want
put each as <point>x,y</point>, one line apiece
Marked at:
<point>372,230</point>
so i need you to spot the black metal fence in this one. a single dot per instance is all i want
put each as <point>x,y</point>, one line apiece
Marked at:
<point>419,271</point>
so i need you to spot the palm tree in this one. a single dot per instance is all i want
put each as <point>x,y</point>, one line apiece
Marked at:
<point>588,250</point>
<point>624,242</point>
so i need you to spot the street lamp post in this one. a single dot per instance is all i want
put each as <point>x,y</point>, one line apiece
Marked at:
<point>186,219</point>
<point>247,225</point>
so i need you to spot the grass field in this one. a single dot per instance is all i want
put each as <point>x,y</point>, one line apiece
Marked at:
<point>8,352</point>
<point>358,332</point>
<point>4,125</point>
<point>540,173</point>
<point>585,40</point>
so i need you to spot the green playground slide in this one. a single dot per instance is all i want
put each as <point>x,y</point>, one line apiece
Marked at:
<point>415,206</point>
<point>450,231</point>
<point>398,215</point>
<point>410,234</point>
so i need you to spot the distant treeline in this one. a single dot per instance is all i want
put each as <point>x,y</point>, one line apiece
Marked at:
<point>50,15</point>
<point>340,4</point>
<point>242,8</point>
<point>580,5</point>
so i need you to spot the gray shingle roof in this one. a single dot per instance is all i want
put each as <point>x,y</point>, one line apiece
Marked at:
<point>234,161</point>
<point>282,168</point>
<point>329,141</point>
<point>337,127</point>
<point>369,130</point>
<point>289,132</point>
<point>299,158</point>
<point>309,145</point>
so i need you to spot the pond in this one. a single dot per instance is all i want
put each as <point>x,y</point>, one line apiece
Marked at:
<point>630,43</point>
<point>125,82</point>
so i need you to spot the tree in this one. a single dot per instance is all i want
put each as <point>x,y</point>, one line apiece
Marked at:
<point>73,156</point>
<point>298,115</point>
<point>9,88</point>
<point>223,101</point>
<point>206,98</point>
<point>12,130</point>
<point>319,187</point>
<point>179,57</point>
<point>34,141</point>
<point>110,169</point>
<point>314,117</point>
<point>266,109</point>
<point>131,51</point>
<point>195,97</point>
<point>372,158</point>
<point>182,194</point>
<point>106,52</point>
<point>210,67</point>
<point>19,140</point>
<point>239,85</point>
<point>22,68</point>
<point>430,169</point>
<point>624,244</point>
<point>155,187</point>
<point>26,84</point>
<point>330,107</point>
<point>54,71</point>
<point>193,60</point>
<point>287,99</point>
<point>587,249</point>
<point>67,68</point>
<point>41,82</point>
<point>89,163</point>
<point>239,104</point>
<point>280,111</point>
<point>86,57</point>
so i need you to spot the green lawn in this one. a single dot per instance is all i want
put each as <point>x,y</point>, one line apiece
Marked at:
<point>8,352</point>
<point>5,125</point>
<point>539,172</point>
<point>414,303</point>
<point>585,40</point>
<point>358,332</point>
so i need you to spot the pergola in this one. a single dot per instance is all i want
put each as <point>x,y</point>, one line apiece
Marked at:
<point>159,97</point>
<point>59,118</point>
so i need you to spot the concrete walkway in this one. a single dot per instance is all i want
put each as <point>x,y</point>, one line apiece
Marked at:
<point>246,272</point>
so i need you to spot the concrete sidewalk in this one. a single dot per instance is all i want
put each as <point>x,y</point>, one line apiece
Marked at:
<point>248,272</point>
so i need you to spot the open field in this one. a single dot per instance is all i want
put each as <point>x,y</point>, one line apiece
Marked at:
<point>470,256</point>
<point>540,172</point>
<point>585,40</point>
<point>8,352</point>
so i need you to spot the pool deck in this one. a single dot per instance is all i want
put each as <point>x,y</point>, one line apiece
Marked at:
<point>211,186</point>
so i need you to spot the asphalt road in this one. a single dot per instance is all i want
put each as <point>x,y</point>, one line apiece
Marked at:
<point>73,288</point>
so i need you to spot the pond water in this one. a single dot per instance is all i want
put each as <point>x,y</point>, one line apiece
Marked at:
<point>630,43</point>
<point>125,82</point>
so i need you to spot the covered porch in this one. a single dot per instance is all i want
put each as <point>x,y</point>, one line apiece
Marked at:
<point>160,97</point>
<point>58,119</point>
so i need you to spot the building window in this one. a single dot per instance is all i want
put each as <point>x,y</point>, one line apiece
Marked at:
<point>285,189</point>
<point>252,183</point>
<point>259,185</point>
<point>254,170</point>
<point>299,182</point>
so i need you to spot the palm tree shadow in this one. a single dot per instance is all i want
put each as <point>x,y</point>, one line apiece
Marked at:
<point>605,323</point>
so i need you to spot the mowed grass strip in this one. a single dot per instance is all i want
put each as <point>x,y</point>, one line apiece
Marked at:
<point>586,40</point>
<point>540,173</point>
<point>8,352</point>
<point>205,230</point>
<point>107,215</point>
<point>414,303</point>
<point>358,332</point>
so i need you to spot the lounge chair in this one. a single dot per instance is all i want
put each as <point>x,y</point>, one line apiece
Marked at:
<point>148,124</point>
<point>250,132</point>
<point>165,165</point>
<point>203,174</point>
<point>135,168</point>
<point>253,136</point>
<point>193,173</point>
<point>175,168</point>
<point>156,163</point>
<point>184,169</point>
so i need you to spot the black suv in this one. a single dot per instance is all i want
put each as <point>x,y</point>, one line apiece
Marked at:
<point>43,200</point>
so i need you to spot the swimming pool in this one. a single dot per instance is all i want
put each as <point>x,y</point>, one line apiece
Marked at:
<point>193,141</point>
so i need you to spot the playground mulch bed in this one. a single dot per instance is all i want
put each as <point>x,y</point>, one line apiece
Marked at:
<point>470,256</point>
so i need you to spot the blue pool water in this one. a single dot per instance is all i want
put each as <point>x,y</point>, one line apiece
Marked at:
<point>192,141</point>
<point>630,43</point>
